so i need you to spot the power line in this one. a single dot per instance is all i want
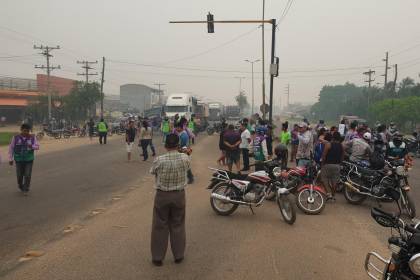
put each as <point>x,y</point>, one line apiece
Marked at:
<point>211,49</point>
<point>87,67</point>
<point>285,11</point>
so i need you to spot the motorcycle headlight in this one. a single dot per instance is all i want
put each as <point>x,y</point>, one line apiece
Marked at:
<point>414,264</point>
<point>400,170</point>
<point>277,171</point>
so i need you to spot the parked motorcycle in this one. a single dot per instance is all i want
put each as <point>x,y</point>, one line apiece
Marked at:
<point>233,190</point>
<point>405,260</point>
<point>311,197</point>
<point>362,183</point>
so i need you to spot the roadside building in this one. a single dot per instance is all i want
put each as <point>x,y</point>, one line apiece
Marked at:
<point>140,97</point>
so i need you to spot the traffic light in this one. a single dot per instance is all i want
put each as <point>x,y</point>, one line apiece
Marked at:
<point>210,24</point>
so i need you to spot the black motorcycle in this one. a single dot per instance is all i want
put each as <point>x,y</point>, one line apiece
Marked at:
<point>361,182</point>
<point>405,259</point>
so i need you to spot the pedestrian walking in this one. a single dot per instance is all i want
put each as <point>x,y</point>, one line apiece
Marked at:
<point>165,128</point>
<point>103,131</point>
<point>91,128</point>
<point>332,157</point>
<point>146,139</point>
<point>130,136</point>
<point>170,171</point>
<point>232,140</point>
<point>244,146</point>
<point>21,151</point>
<point>191,128</point>
<point>285,139</point>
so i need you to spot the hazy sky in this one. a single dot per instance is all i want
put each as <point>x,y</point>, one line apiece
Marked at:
<point>315,35</point>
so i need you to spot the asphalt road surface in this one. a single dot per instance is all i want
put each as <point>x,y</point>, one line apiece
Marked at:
<point>113,241</point>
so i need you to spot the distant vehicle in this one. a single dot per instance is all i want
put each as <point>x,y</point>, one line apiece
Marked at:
<point>202,116</point>
<point>182,104</point>
<point>155,112</point>
<point>350,118</point>
<point>216,111</point>
<point>233,112</point>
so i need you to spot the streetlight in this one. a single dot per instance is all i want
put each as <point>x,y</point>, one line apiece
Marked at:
<point>252,67</point>
<point>240,83</point>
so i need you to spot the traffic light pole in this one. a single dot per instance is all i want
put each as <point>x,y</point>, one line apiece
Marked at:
<point>273,45</point>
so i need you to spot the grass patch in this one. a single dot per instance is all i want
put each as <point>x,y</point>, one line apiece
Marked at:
<point>6,137</point>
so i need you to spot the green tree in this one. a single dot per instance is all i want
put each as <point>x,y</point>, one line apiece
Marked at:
<point>81,100</point>
<point>242,101</point>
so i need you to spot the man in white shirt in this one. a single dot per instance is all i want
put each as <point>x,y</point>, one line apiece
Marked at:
<point>306,145</point>
<point>244,146</point>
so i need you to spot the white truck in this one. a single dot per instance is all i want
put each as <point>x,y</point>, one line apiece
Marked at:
<point>182,104</point>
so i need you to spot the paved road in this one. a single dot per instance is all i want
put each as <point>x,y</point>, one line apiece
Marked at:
<point>66,186</point>
<point>115,243</point>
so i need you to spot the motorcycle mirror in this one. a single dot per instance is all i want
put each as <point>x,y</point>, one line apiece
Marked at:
<point>382,218</point>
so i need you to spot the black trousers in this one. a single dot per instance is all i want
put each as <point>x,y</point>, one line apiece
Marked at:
<point>23,174</point>
<point>245,156</point>
<point>168,224</point>
<point>102,135</point>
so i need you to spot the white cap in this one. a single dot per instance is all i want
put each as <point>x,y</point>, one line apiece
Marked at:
<point>367,136</point>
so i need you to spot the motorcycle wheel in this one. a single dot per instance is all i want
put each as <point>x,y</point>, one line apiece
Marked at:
<point>287,210</point>
<point>210,131</point>
<point>305,203</point>
<point>353,197</point>
<point>409,205</point>
<point>57,136</point>
<point>66,135</point>
<point>220,207</point>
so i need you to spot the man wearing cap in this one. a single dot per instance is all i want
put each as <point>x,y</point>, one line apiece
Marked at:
<point>359,148</point>
<point>170,170</point>
<point>306,145</point>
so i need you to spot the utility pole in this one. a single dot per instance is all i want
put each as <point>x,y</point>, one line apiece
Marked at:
<point>369,74</point>
<point>395,78</point>
<point>386,69</point>
<point>160,92</point>
<point>288,94</point>
<point>263,60</point>
<point>102,87</point>
<point>45,51</point>
<point>87,67</point>
<point>252,68</point>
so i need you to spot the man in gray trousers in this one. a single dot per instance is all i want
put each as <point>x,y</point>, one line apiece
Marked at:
<point>170,170</point>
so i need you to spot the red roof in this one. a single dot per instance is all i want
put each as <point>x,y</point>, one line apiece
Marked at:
<point>17,93</point>
<point>13,102</point>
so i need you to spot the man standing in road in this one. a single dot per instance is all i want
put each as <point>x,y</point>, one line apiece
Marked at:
<point>166,128</point>
<point>244,146</point>
<point>102,130</point>
<point>130,136</point>
<point>21,150</point>
<point>306,145</point>
<point>91,126</point>
<point>232,140</point>
<point>169,205</point>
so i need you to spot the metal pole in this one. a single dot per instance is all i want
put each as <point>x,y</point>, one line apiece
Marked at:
<point>252,108</point>
<point>273,47</point>
<point>263,62</point>
<point>48,84</point>
<point>102,87</point>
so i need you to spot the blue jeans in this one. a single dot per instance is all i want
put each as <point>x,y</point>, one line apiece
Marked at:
<point>302,162</point>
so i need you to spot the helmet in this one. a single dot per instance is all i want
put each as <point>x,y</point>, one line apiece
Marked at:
<point>367,136</point>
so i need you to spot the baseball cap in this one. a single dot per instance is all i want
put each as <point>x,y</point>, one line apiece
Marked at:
<point>303,124</point>
<point>367,136</point>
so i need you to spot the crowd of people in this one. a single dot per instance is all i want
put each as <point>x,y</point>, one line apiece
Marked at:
<point>304,144</point>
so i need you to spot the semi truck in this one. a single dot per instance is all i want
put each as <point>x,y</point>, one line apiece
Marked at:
<point>216,111</point>
<point>202,115</point>
<point>182,104</point>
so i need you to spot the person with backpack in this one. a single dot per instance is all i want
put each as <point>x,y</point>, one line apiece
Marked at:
<point>21,152</point>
